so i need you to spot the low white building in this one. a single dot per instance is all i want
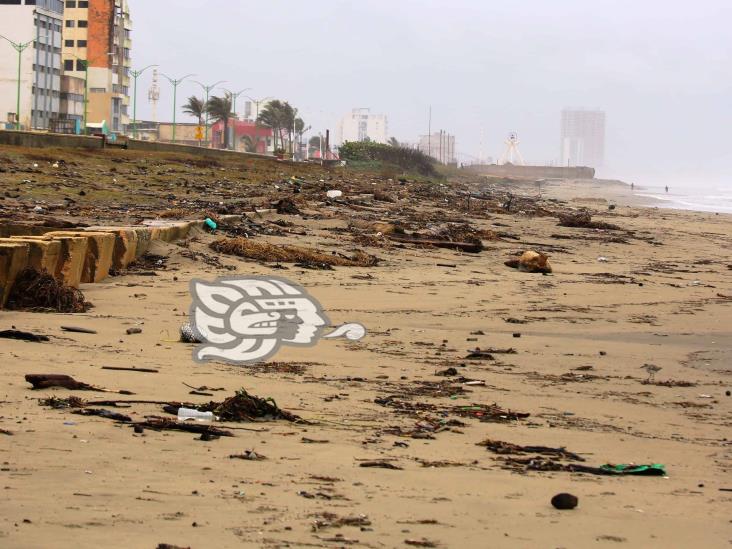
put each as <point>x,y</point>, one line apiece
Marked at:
<point>361,125</point>
<point>37,23</point>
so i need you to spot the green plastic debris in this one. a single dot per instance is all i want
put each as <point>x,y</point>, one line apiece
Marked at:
<point>651,470</point>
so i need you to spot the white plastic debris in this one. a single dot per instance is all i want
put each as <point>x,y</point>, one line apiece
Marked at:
<point>602,259</point>
<point>55,164</point>
<point>334,194</point>
<point>38,209</point>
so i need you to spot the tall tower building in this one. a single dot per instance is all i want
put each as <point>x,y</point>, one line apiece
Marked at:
<point>361,125</point>
<point>582,140</point>
<point>97,46</point>
<point>31,38</point>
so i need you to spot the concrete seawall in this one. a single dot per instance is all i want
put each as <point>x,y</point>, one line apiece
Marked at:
<point>533,172</point>
<point>49,140</point>
<point>83,256</point>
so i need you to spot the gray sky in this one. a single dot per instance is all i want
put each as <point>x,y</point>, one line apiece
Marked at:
<point>661,69</point>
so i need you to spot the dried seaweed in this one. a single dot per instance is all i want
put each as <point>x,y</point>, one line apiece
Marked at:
<point>264,251</point>
<point>501,447</point>
<point>39,291</point>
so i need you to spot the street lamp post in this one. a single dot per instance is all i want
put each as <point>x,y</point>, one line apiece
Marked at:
<point>208,89</point>
<point>174,82</point>
<point>20,47</point>
<point>135,74</point>
<point>234,97</point>
<point>257,102</point>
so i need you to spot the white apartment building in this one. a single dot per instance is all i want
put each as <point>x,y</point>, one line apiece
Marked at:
<point>361,125</point>
<point>582,138</point>
<point>440,146</point>
<point>37,23</point>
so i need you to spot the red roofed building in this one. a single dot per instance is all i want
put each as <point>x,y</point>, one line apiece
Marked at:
<point>244,136</point>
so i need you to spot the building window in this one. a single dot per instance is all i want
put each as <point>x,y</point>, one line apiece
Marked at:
<point>83,3</point>
<point>68,43</point>
<point>70,3</point>
<point>83,24</point>
<point>69,65</point>
<point>98,90</point>
<point>80,65</point>
<point>13,2</point>
<point>81,43</point>
<point>70,24</point>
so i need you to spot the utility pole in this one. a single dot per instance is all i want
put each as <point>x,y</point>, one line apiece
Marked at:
<point>134,74</point>
<point>175,83</point>
<point>429,133</point>
<point>208,89</point>
<point>20,47</point>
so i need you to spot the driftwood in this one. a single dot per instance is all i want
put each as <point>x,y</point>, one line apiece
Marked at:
<point>165,424</point>
<point>470,247</point>
<point>23,336</point>
<point>44,381</point>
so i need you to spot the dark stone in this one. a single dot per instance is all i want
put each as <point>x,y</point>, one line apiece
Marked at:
<point>565,501</point>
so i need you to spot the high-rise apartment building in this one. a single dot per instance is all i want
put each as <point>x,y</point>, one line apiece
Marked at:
<point>96,48</point>
<point>35,27</point>
<point>361,125</point>
<point>582,140</point>
<point>439,145</point>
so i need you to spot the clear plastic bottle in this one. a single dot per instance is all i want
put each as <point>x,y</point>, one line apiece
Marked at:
<point>185,414</point>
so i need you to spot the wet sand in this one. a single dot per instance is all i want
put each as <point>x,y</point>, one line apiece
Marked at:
<point>664,297</point>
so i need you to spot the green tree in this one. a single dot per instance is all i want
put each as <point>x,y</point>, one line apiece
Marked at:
<point>250,143</point>
<point>280,117</point>
<point>219,109</point>
<point>394,142</point>
<point>196,108</point>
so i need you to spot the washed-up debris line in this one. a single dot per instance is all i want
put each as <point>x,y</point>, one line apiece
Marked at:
<point>46,381</point>
<point>36,290</point>
<point>264,251</point>
<point>331,520</point>
<point>583,219</point>
<point>501,447</point>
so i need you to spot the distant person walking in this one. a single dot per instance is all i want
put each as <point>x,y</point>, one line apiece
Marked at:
<point>632,186</point>
<point>666,188</point>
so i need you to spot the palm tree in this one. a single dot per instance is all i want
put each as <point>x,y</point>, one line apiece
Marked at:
<point>219,108</point>
<point>196,108</point>
<point>280,117</point>
<point>394,142</point>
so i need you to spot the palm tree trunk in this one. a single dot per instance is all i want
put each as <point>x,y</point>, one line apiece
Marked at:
<point>226,133</point>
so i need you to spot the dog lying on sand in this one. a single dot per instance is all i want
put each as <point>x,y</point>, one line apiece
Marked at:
<point>531,262</point>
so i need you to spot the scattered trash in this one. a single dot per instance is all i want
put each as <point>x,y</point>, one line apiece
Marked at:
<point>210,224</point>
<point>602,259</point>
<point>531,262</point>
<point>565,501</point>
<point>334,194</point>
<point>131,331</point>
<point>583,219</point>
<point>23,336</point>
<point>185,414</point>
<point>241,407</point>
<point>38,290</point>
<point>131,369</point>
<point>187,335</point>
<point>249,455</point>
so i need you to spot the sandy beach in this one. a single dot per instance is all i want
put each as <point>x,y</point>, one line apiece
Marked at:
<point>657,290</point>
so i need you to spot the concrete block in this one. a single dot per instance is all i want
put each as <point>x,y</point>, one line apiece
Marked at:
<point>99,253</point>
<point>125,244</point>
<point>43,253</point>
<point>13,259</point>
<point>73,258</point>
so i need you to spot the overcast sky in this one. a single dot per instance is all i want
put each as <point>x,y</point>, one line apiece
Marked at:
<point>660,69</point>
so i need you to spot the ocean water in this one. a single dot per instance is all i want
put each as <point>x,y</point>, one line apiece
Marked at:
<point>698,198</point>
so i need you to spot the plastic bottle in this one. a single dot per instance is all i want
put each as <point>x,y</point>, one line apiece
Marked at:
<point>189,413</point>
